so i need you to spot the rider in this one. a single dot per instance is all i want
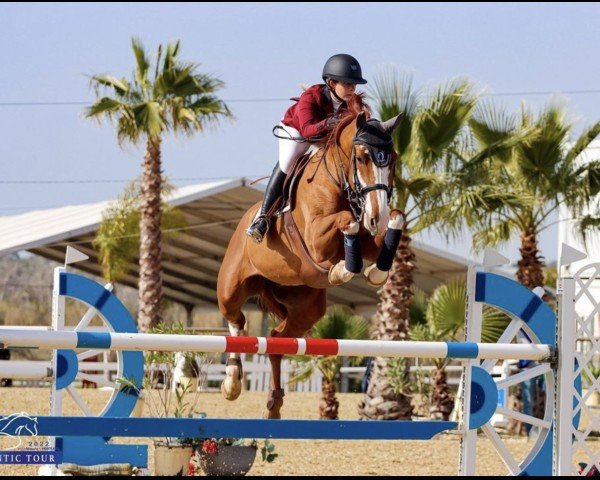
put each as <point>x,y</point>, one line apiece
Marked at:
<point>309,120</point>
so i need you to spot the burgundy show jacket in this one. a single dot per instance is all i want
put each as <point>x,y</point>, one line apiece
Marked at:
<point>309,115</point>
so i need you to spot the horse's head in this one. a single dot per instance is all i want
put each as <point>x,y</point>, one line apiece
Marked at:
<point>372,171</point>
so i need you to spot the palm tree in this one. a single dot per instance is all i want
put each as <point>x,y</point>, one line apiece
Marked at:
<point>431,128</point>
<point>171,97</point>
<point>341,324</point>
<point>446,310</point>
<point>540,171</point>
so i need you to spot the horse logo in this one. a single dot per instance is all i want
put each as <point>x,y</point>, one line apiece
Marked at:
<point>18,424</point>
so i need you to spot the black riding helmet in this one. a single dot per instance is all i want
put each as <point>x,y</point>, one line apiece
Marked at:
<point>344,68</point>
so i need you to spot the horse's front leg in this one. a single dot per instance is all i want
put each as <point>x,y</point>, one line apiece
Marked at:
<point>325,235</point>
<point>377,273</point>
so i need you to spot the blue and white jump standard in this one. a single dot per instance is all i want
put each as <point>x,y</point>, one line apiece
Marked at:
<point>84,440</point>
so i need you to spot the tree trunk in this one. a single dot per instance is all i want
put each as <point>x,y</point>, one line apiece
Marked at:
<point>381,402</point>
<point>442,402</point>
<point>150,282</point>
<point>531,265</point>
<point>329,405</point>
<point>530,274</point>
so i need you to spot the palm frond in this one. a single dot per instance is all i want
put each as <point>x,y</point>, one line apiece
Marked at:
<point>307,368</point>
<point>393,93</point>
<point>592,178</point>
<point>498,233</point>
<point>493,325</point>
<point>338,322</point>
<point>127,127</point>
<point>149,118</point>
<point>171,55</point>
<point>446,307</point>
<point>586,225</point>
<point>420,184</point>
<point>120,87</point>
<point>583,142</point>
<point>141,63</point>
<point>440,122</point>
<point>424,333</point>
<point>104,106</point>
<point>418,307</point>
<point>446,316</point>
<point>503,149</point>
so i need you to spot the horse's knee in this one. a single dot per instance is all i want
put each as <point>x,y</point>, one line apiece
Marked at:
<point>347,224</point>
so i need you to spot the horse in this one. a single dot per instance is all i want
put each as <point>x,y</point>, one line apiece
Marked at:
<point>338,214</point>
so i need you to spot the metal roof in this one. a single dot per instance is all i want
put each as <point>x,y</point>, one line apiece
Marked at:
<point>192,260</point>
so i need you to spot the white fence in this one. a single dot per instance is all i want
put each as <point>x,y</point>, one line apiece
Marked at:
<point>257,373</point>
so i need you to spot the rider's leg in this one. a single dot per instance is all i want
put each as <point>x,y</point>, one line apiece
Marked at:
<point>289,152</point>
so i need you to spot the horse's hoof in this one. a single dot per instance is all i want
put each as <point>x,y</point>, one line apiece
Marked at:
<point>338,274</point>
<point>374,276</point>
<point>231,387</point>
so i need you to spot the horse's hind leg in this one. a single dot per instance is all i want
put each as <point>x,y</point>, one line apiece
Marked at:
<point>305,306</point>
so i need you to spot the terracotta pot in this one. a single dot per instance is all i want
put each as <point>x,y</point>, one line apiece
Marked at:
<point>172,460</point>
<point>230,461</point>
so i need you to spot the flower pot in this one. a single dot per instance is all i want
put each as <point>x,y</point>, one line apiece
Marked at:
<point>171,460</point>
<point>229,460</point>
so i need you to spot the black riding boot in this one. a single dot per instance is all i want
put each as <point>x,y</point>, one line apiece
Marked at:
<point>259,227</point>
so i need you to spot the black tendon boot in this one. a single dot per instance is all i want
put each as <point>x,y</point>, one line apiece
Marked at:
<point>259,227</point>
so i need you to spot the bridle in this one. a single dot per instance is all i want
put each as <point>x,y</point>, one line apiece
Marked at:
<point>380,147</point>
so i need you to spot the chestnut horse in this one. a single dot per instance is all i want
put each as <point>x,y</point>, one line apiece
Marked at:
<point>341,216</point>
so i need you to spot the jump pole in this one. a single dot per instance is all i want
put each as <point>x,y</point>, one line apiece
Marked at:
<point>51,340</point>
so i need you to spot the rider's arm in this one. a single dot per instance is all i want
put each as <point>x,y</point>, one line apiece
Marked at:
<point>311,117</point>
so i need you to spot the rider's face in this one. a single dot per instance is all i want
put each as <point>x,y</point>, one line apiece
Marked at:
<point>343,90</point>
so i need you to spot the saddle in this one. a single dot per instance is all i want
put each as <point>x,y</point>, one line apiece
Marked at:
<point>285,202</point>
<point>313,273</point>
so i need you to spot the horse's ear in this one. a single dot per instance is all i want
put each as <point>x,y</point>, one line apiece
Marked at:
<point>361,120</point>
<point>392,124</point>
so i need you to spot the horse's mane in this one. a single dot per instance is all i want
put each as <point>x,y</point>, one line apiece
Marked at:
<point>356,105</point>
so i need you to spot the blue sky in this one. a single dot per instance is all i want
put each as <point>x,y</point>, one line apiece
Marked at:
<point>262,52</point>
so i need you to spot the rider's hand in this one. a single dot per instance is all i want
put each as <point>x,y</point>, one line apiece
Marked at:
<point>332,121</point>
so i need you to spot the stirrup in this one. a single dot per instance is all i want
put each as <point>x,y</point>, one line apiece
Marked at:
<point>253,230</point>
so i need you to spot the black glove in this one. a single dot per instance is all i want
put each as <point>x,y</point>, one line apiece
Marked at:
<point>332,121</point>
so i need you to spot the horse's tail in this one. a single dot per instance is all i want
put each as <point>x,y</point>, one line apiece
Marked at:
<point>268,303</point>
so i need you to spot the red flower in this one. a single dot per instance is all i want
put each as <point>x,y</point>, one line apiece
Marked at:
<point>210,446</point>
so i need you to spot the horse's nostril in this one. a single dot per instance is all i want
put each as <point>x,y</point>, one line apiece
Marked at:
<point>373,223</point>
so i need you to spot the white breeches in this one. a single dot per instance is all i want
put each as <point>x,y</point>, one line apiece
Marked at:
<point>289,150</point>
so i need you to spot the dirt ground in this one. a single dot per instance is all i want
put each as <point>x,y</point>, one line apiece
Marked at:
<point>298,457</point>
